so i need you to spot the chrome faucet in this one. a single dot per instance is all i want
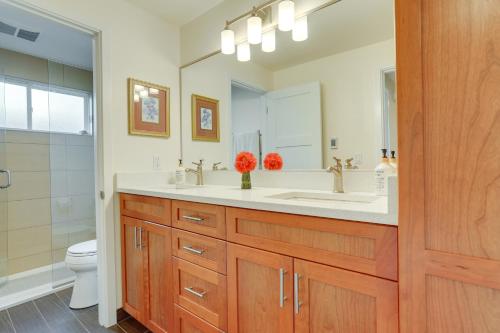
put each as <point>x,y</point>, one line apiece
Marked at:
<point>198,171</point>
<point>216,167</point>
<point>338,178</point>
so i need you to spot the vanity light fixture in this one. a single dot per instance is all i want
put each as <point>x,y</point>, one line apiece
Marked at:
<point>269,41</point>
<point>300,30</point>
<point>243,52</point>
<point>254,29</point>
<point>227,41</point>
<point>286,15</point>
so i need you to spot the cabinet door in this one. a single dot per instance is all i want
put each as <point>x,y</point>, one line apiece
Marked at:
<point>333,300</point>
<point>259,291</point>
<point>157,247</point>
<point>132,268</point>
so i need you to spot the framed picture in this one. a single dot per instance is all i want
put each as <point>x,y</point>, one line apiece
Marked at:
<point>205,118</point>
<point>148,109</point>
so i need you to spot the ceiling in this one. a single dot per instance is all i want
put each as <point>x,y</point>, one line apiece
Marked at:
<point>175,11</point>
<point>344,26</point>
<point>56,42</point>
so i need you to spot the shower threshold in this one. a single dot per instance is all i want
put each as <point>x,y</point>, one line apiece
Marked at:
<point>35,283</point>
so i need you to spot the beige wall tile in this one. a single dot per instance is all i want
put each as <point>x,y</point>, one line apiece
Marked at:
<point>29,185</point>
<point>30,241</point>
<point>3,244</point>
<point>3,216</point>
<point>14,136</point>
<point>27,157</point>
<point>81,236</point>
<point>29,213</point>
<point>29,262</point>
<point>59,255</point>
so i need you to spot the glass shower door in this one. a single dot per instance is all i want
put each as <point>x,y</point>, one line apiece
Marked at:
<point>4,183</point>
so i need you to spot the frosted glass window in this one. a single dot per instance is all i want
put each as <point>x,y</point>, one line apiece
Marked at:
<point>16,103</point>
<point>67,113</point>
<point>40,110</point>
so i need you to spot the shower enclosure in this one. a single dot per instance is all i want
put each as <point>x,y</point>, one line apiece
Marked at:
<point>47,197</point>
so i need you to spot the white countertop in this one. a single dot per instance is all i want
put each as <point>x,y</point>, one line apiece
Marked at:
<point>379,211</point>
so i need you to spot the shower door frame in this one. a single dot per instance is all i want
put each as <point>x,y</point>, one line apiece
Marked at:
<point>104,199</point>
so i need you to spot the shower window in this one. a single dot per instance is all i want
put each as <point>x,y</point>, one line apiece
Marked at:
<point>70,109</point>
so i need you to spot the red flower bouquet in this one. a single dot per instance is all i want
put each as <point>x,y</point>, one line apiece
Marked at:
<point>244,163</point>
<point>273,161</point>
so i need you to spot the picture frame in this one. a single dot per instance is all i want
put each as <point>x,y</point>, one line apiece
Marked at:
<point>205,119</point>
<point>148,109</point>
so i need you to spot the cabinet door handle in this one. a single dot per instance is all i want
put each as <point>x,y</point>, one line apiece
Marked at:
<point>297,303</point>
<point>135,238</point>
<point>282,287</point>
<point>200,294</point>
<point>140,238</point>
<point>191,249</point>
<point>193,218</point>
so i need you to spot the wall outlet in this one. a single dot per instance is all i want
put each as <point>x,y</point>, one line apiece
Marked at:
<point>358,159</point>
<point>156,162</point>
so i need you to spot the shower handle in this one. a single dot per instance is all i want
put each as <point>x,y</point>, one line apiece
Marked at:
<point>9,183</point>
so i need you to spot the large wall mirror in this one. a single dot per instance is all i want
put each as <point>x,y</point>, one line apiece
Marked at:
<point>330,95</point>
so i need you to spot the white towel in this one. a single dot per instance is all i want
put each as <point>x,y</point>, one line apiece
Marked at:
<point>246,142</point>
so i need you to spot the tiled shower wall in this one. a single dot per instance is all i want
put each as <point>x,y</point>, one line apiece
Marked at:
<point>50,204</point>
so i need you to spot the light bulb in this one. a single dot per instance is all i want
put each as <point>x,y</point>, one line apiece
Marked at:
<point>243,52</point>
<point>227,41</point>
<point>300,31</point>
<point>143,93</point>
<point>254,30</point>
<point>286,15</point>
<point>269,41</point>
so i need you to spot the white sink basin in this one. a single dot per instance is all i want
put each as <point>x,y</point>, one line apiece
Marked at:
<point>322,197</point>
<point>174,187</point>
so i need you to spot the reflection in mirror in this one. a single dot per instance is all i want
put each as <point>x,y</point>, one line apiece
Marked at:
<point>309,100</point>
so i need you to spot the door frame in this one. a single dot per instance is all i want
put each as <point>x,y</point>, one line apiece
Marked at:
<point>104,211</point>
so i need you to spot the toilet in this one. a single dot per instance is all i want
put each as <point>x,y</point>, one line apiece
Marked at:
<point>81,258</point>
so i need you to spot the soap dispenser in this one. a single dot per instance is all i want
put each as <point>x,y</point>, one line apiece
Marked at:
<point>180,174</point>
<point>382,171</point>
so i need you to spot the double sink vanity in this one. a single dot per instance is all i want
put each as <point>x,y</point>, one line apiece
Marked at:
<point>216,258</point>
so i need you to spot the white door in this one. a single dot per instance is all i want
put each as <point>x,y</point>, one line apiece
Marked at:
<point>294,126</point>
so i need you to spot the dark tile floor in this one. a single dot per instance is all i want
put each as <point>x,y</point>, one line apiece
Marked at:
<point>51,314</point>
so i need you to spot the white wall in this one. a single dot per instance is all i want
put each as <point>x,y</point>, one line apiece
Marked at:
<point>134,44</point>
<point>212,78</point>
<point>351,96</point>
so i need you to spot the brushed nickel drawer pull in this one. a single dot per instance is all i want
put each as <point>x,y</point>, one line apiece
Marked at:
<point>194,292</point>
<point>297,302</point>
<point>282,287</point>
<point>193,218</point>
<point>191,249</point>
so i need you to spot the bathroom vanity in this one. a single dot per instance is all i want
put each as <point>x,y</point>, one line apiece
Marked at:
<point>218,259</point>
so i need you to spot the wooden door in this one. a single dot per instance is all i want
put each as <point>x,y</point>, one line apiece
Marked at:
<point>259,291</point>
<point>132,268</point>
<point>448,74</point>
<point>333,300</point>
<point>157,251</point>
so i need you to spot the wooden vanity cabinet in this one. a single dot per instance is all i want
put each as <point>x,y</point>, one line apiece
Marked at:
<point>147,284</point>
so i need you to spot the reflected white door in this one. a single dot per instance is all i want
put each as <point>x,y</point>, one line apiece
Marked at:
<point>294,127</point>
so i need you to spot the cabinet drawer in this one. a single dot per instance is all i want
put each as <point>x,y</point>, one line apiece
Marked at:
<point>186,322</point>
<point>201,291</point>
<point>203,219</point>
<point>150,209</point>
<point>361,247</point>
<point>201,250</point>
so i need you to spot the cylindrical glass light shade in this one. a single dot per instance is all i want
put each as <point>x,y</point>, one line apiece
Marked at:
<point>243,52</point>
<point>269,41</point>
<point>286,15</point>
<point>227,41</point>
<point>300,30</point>
<point>254,30</point>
